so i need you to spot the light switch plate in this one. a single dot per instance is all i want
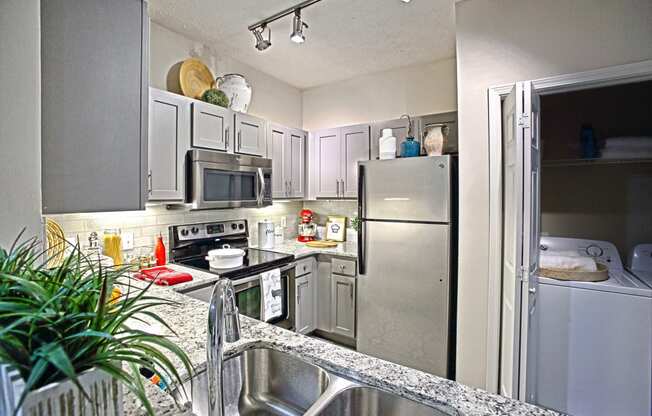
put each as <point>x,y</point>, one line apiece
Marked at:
<point>127,241</point>
<point>284,221</point>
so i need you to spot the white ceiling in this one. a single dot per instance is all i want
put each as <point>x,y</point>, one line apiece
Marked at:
<point>346,38</point>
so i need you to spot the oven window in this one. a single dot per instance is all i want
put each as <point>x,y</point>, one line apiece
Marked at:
<point>248,302</point>
<point>220,185</point>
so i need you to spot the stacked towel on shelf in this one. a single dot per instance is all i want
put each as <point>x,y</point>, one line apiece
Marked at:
<point>632,147</point>
<point>566,260</point>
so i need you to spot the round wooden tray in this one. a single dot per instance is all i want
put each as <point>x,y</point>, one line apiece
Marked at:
<point>195,78</point>
<point>321,244</point>
<point>580,276</point>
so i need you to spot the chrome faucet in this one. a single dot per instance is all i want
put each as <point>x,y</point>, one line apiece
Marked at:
<point>223,326</point>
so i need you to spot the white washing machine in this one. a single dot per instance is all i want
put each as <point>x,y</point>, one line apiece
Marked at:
<point>592,342</point>
<point>640,263</point>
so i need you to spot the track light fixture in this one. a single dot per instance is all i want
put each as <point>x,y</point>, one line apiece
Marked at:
<point>298,25</point>
<point>261,43</point>
<point>297,35</point>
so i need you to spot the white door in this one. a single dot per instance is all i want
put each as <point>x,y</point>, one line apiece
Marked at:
<point>276,152</point>
<point>297,155</point>
<point>355,148</point>
<point>250,135</point>
<point>211,126</point>
<point>328,163</point>
<point>520,235</point>
<point>169,138</point>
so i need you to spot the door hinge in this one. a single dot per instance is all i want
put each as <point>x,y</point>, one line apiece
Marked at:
<point>525,274</point>
<point>524,120</point>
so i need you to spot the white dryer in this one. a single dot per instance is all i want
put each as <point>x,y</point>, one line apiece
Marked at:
<point>591,343</point>
<point>640,263</point>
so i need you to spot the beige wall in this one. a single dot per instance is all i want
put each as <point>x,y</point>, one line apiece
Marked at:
<point>272,99</point>
<point>20,119</point>
<point>502,41</point>
<point>416,90</point>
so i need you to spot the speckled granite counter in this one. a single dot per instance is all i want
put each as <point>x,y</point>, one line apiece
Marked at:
<point>345,249</point>
<point>188,319</point>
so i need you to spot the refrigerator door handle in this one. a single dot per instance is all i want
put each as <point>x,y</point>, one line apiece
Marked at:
<point>361,218</point>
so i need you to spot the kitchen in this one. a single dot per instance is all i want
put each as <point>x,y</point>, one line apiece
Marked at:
<point>320,121</point>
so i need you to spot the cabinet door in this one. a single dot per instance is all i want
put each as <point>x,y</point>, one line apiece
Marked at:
<point>169,139</point>
<point>355,148</point>
<point>211,126</point>
<point>297,156</point>
<point>250,135</point>
<point>343,305</point>
<point>327,164</point>
<point>323,288</point>
<point>399,130</point>
<point>94,104</point>
<point>305,319</point>
<point>276,150</point>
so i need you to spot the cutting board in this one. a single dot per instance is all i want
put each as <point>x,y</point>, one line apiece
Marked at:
<point>321,244</point>
<point>163,276</point>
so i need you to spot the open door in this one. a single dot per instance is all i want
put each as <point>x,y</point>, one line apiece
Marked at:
<point>520,234</point>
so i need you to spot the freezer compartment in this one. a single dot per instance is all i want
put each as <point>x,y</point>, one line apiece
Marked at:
<point>404,295</point>
<point>411,189</point>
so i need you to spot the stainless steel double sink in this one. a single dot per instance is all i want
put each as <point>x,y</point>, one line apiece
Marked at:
<point>268,382</point>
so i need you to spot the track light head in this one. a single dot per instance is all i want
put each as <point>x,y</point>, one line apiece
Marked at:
<point>261,43</point>
<point>297,35</point>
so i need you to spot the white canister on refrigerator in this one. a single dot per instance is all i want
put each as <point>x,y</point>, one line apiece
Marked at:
<point>265,234</point>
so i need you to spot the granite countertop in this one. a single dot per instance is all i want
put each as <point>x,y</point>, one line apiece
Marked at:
<point>189,320</point>
<point>345,249</point>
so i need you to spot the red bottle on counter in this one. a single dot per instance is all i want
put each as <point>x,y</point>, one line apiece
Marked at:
<point>159,251</point>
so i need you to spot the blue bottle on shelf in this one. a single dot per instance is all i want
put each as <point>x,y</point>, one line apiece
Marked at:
<point>410,148</point>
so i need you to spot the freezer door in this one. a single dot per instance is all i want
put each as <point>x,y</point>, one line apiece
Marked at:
<point>403,299</point>
<point>410,189</point>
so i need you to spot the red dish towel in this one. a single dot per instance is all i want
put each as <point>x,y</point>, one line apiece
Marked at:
<point>163,276</point>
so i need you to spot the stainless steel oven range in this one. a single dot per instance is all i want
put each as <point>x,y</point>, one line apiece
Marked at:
<point>190,243</point>
<point>222,180</point>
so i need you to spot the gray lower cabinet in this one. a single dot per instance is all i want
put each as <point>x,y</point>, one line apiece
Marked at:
<point>287,149</point>
<point>343,305</point>
<point>305,316</point>
<point>212,126</point>
<point>250,135</point>
<point>169,139</point>
<point>337,153</point>
<point>94,105</point>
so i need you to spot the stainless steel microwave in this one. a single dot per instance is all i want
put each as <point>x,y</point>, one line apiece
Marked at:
<point>222,180</point>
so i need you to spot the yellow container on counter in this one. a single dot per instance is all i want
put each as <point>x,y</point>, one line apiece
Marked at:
<point>113,245</point>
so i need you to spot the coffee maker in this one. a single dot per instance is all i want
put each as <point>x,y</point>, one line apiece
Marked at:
<point>307,228</point>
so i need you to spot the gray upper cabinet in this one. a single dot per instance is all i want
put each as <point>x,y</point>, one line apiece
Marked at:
<point>287,150</point>
<point>94,90</point>
<point>337,153</point>
<point>250,135</point>
<point>212,126</point>
<point>169,139</point>
<point>399,130</point>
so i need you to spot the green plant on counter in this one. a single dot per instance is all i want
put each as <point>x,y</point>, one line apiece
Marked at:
<point>57,322</point>
<point>355,223</point>
<point>215,96</point>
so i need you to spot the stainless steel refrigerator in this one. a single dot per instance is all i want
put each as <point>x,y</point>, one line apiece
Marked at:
<point>407,261</point>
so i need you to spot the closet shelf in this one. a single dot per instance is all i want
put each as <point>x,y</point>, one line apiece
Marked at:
<point>592,162</point>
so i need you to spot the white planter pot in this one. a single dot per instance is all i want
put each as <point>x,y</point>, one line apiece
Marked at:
<point>237,89</point>
<point>63,398</point>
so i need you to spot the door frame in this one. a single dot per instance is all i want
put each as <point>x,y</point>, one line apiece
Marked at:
<point>603,77</point>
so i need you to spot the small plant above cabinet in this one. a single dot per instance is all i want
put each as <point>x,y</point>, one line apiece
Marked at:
<point>169,140</point>
<point>94,102</point>
<point>286,147</point>
<point>335,154</point>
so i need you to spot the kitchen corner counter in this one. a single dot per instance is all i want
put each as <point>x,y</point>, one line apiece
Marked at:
<point>188,318</point>
<point>299,250</point>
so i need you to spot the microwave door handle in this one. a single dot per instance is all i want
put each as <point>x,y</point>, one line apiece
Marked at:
<point>261,195</point>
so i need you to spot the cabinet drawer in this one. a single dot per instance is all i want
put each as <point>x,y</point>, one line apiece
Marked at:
<point>344,267</point>
<point>304,267</point>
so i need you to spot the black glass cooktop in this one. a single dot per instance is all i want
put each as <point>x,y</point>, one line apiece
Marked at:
<point>255,261</point>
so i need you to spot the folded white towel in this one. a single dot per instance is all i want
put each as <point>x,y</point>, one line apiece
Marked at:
<point>271,293</point>
<point>567,261</point>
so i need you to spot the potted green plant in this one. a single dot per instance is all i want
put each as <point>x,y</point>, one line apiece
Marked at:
<point>68,335</point>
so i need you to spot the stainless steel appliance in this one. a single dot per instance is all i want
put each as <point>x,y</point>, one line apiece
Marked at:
<point>407,262</point>
<point>190,243</point>
<point>222,180</point>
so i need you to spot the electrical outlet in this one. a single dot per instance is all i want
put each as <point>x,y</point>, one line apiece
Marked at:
<point>284,221</point>
<point>127,241</point>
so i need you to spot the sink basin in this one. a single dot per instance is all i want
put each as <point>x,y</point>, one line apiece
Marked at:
<point>264,382</point>
<point>368,401</point>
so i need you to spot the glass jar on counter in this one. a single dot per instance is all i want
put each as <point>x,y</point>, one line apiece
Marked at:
<point>112,243</point>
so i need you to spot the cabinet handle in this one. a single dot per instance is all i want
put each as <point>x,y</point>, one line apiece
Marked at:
<point>239,139</point>
<point>149,182</point>
<point>342,180</point>
<point>291,190</point>
<point>351,291</point>
<point>226,138</point>
<point>338,187</point>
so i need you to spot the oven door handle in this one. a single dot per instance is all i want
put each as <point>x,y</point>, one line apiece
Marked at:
<point>240,282</point>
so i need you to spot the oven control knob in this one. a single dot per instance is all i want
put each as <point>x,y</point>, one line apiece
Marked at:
<point>194,230</point>
<point>594,251</point>
<point>241,226</point>
<point>234,226</point>
<point>184,232</point>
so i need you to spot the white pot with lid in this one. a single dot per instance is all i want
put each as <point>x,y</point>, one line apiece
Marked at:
<point>225,257</point>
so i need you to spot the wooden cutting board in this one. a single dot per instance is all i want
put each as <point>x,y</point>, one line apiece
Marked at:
<point>321,244</point>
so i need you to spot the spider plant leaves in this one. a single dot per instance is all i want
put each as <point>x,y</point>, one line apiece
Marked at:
<point>57,322</point>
